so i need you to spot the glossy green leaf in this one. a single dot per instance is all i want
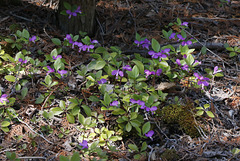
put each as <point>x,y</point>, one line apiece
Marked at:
<point>210,114</point>
<point>146,127</point>
<point>155,45</point>
<point>10,78</point>
<point>56,41</point>
<point>133,147</point>
<point>24,92</point>
<point>70,118</point>
<point>75,157</point>
<point>128,127</point>
<point>5,124</point>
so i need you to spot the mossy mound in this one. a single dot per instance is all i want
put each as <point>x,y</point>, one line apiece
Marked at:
<point>181,115</point>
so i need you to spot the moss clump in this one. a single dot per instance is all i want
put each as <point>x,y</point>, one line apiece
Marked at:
<point>170,155</point>
<point>181,115</point>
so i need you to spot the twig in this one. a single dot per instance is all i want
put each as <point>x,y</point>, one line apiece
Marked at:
<point>32,157</point>
<point>33,130</point>
<point>5,18</point>
<point>47,98</point>
<point>26,19</point>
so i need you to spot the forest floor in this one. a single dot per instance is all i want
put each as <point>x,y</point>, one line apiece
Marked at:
<point>211,23</point>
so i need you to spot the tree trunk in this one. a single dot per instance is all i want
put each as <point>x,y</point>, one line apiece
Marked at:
<point>84,23</point>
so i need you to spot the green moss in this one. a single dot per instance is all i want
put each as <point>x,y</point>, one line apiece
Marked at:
<point>181,115</point>
<point>170,155</point>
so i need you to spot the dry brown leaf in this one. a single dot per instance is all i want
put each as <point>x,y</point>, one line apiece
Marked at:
<point>165,85</point>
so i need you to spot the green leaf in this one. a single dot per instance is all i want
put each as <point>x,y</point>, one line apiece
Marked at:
<point>210,114</point>
<point>133,147</point>
<point>75,157</point>
<point>62,105</point>
<point>94,145</point>
<point>133,115</point>
<point>135,123</point>
<point>204,50</point>
<point>48,80</point>
<point>144,146</point>
<point>87,110</point>
<point>5,129</point>
<point>128,127</point>
<point>25,34</point>
<point>146,127</point>
<point>230,49</point>
<point>56,41</point>
<point>232,54</point>
<point>155,45</point>
<point>63,158</point>
<point>58,64</point>
<point>87,121</point>
<point>235,151</point>
<point>200,113</point>
<point>100,50</point>
<point>24,92</point>
<point>139,65</point>
<point>206,106</point>
<point>100,64</point>
<point>107,99</point>
<point>189,60</point>
<point>135,72</point>
<point>40,99</point>
<point>67,5</point>
<point>57,110</point>
<point>5,124</point>
<point>9,40</point>
<point>81,118</point>
<point>70,118</point>
<point>10,78</point>
<point>138,37</point>
<point>119,111</point>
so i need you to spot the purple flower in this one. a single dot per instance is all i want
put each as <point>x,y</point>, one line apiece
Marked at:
<point>147,72</point>
<point>185,67</point>
<point>84,144</point>
<point>133,101</point>
<point>149,134</point>
<point>153,54</point>
<point>117,72</point>
<point>201,80</point>
<point>90,47</point>
<point>78,10</point>
<point>3,98</point>
<point>62,72</point>
<point>154,108</point>
<point>22,61</point>
<point>84,48</point>
<point>185,56</point>
<point>172,36</point>
<point>102,81</point>
<point>71,13</point>
<point>50,70</point>
<point>141,103</point>
<point>158,72</point>
<point>146,43</point>
<point>94,41</point>
<point>58,56</point>
<point>215,70</point>
<point>114,103</point>
<point>69,38</point>
<point>196,63</point>
<point>178,62</point>
<point>166,51</point>
<point>127,67</point>
<point>186,43</point>
<point>180,37</point>
<point>33,39</point>
<point>161,55</point>
<point>185,24</point>
<point>138,42</point>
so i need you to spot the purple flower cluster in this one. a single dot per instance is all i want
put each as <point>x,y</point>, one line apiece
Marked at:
<point>56,57</point>
<point>74,13</point>
<point>144,43</point>
<point>142,104</point>
<point>148,72</point>
<point>159,54</point>
<point>22,61</point>
<point>51,70</point>
<point>184,67</point>
<point>102,81</point>
<point>201,80</point>
<point>84,144</point>
<point>3,98</point>
<point>117,73</point>
<point>81,46</point>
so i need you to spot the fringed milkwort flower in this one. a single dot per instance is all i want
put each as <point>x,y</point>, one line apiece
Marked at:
<point>166,51</point>
<point>127,67</point>
<point>32,39</point>
<point>185,56</point>
<point>178,62</point>
<point>153,54</point>
<point>114,103</point>
<point>84,144</point>
<point>185,67</point>
<point>62,72</point>
<point>201,80</point>
<point>145,43</point>
<point>22,61</point>
<point>185,24</point>
<point>184,43</point>
<point>172,36</point>
<point>197,63</point>
<point>148,72</point>
<point>69,38</point>
<point>102,81</point>
<point>3,98</point>
<point>78,10</point>
<point>215,70</point>
<point>149,133</point>
<point>180,37</point>
<point>117,73</point>
<point>56,57</point>
<point>158,72</point>
<point>71,14</point>
<point>139,102</point>
<point>153,108</point>
<point>50,70</point>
